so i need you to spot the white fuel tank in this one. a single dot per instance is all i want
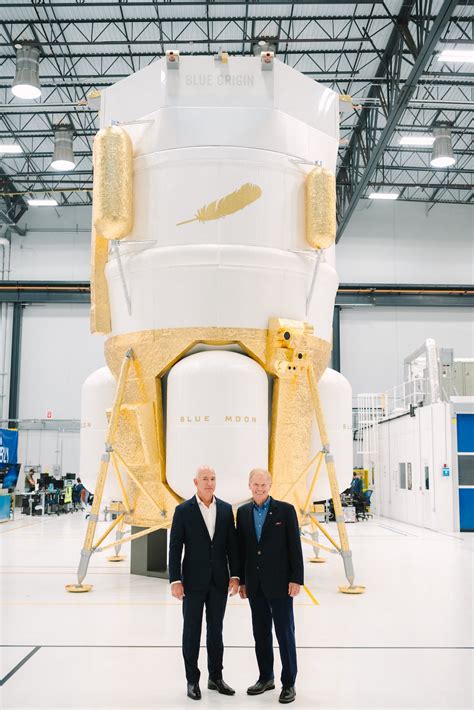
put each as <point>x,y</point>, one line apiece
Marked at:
<point>217,415</point>
<point>336,400</point>
<point>97,397</point>
<point>219,285</point>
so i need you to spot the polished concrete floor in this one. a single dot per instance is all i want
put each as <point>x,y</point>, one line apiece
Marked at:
<point>406,643</point>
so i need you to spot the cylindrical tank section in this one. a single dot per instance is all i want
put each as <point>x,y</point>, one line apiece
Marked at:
<point>219,285</point>
<point>113,183</point>
<point>217,415</point>
<point>220,195</point>
<point>98,392</point>
<point>225,191</point>
<point>336,399</point>
<point>321,305</point>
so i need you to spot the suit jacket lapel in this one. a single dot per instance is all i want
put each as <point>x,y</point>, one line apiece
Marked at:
<point>218,515</point>
<point>251,523</point>
<point>197,514</point>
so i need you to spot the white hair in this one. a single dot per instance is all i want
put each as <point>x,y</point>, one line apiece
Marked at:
<point>254,471</point>
<point>203,468</point>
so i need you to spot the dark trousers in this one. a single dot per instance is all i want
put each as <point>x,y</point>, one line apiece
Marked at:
<point>265,610</point>
<point>215,601</point>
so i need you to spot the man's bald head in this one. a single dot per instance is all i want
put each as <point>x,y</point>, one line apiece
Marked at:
<point>205,482</point>
<point>201,470</point>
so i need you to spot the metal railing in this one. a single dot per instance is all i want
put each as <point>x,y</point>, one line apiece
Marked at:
<point>373,408</point>
<point>399,398</point>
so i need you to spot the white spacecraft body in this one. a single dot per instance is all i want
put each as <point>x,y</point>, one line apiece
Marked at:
<point>200,133</point>
<point>226,397</point>
<point>97,396</point>
<point>336,399</point>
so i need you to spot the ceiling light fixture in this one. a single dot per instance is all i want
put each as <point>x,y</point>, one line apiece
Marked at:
<point>26,84</point>
<point>383,196</point>
<point>442,155</point>
<point>10,148</point>
<point>462,56</point>
<point>42,202</point>
<point>63,157</point>
<point>417,139</point>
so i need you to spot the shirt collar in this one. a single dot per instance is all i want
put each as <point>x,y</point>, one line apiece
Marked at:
<point>199,502</point>
<point>264,506</point>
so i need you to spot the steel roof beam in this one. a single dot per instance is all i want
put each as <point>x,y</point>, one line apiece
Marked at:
<point>25,292</point>
<point>364,153</point>
<point>137,19</point>
<point>179,3</point>
<point>340,66</point>
<point>418,185</point>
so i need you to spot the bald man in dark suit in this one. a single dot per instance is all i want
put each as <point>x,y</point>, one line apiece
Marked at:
<point>203,527</point>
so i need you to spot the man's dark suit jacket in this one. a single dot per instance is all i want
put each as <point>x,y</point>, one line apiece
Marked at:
<point>205,560</point>
<point>277,559</point>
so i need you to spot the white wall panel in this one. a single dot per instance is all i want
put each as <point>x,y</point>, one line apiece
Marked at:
<point>47,449</point>
<point>58,353</point>
<point>56,246</point>
<point>403,243</point>
<point>423,440</point>
<point>375,341</point>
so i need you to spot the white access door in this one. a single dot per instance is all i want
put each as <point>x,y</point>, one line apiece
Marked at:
<point>426,467</point>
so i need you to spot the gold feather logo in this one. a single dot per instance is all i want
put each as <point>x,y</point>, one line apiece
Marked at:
<point>228,204</point>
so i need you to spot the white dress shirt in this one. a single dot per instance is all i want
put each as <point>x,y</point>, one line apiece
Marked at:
<point>209,514</point>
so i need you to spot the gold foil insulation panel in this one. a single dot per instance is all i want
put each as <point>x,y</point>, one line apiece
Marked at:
<point>142,465</point>
<point>156,351</point>
<point>292,349</point>
<point>320,208</point>
<point>100,306</point>
<point>112,209</point>
<point>140,433</point>
<point>292,415</point>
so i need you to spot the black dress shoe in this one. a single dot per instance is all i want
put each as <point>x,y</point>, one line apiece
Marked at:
<point>261,686</point>
<point>287,695</point>
<point>221,686</point>
<point>194,692</point>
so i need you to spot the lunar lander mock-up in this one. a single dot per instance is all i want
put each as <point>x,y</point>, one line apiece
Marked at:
<point>213,280</point>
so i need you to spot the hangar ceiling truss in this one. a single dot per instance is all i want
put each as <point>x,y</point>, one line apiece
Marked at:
<point>383,54</point>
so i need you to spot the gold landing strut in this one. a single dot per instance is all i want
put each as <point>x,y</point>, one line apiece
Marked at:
<point>289,352</point>
<point>89,546</point>
<point>344,549</point>
<point>296,402</point>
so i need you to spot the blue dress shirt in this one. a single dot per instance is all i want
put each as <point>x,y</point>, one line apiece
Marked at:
<point>259,516</point>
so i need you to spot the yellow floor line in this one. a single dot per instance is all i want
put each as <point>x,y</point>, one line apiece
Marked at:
<point>20,527</point>
<point>310,595</point>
